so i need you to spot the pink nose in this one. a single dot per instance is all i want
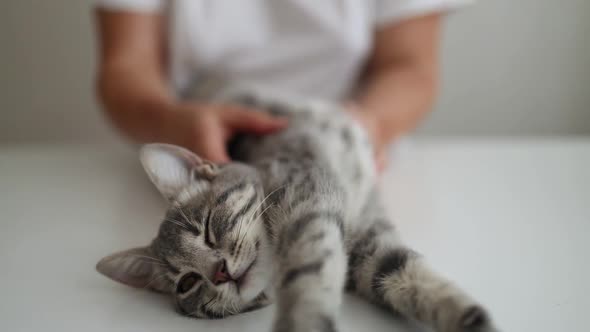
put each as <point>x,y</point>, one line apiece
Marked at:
<point>221,275</point>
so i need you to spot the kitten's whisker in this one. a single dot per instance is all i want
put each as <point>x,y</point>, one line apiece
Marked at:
<point>264,200</point>
<point>242,238</point>
<point>213,298</point>
<point>250,218</point>
<point>234,309</point>
<point>187,219</point>
<point>180,221</point>
<point>208,304</point>
<point>274,220</point>
<point>223,309</point>
<point>240,228</point>
<point>263,211</point>
<point>248,221</point>
<point>177,223</point>
<point>260,205</point>
<point>260,215</point>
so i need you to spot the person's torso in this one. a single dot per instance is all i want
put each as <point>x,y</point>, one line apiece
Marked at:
<point>308,47</point>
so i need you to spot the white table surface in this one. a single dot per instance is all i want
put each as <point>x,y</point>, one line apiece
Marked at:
<point>508,220</point>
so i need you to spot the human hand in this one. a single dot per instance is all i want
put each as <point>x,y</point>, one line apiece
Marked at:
<point>206,128</point>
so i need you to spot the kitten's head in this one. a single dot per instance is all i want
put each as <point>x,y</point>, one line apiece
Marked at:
<point>211,252</point>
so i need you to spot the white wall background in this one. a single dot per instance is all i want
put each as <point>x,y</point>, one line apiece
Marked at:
<point>516,67</point>
<point>510,68</point>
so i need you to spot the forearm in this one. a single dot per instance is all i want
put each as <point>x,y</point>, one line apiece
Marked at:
<point>400,82</point>
<point>137,101</point>
<point>396,98</point>
<point>132,82</point>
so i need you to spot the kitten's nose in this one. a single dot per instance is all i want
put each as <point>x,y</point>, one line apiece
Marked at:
<point>221,275</point>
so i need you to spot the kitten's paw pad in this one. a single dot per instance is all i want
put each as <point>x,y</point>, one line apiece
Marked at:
<point>476,319</point>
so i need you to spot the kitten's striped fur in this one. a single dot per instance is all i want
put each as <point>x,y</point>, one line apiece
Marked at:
<point>298,219</point>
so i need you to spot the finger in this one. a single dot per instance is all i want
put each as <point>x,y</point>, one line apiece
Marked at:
<point>212,147</point>
<point>215,152</point>
<point>253,121</point>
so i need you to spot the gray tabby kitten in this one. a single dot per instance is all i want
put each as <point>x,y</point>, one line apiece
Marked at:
<point>296,220</point>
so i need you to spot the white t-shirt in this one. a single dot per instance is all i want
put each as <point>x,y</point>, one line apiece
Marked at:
<point>314,48</point>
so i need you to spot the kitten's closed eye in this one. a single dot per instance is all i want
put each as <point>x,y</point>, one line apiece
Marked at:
<point>209,241</point>
<point>187,282</point>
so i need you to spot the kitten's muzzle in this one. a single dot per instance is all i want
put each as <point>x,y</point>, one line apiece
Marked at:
<point>221,275</point>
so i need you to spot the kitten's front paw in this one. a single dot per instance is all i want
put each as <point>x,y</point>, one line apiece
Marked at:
<point>319,323</point>
<point>476,319</point>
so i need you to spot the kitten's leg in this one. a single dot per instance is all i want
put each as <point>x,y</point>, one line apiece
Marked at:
<point>386,272</point>
<point>311,269</point>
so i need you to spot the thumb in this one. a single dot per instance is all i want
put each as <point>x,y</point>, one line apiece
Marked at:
<point>254,122</point>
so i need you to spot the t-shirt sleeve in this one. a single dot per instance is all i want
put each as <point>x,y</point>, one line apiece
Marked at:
<point>392,11</point>
<point>132,5</point>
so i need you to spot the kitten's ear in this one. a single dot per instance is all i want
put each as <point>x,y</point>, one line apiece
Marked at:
<point>137,268</point>
<point>172,168</point>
